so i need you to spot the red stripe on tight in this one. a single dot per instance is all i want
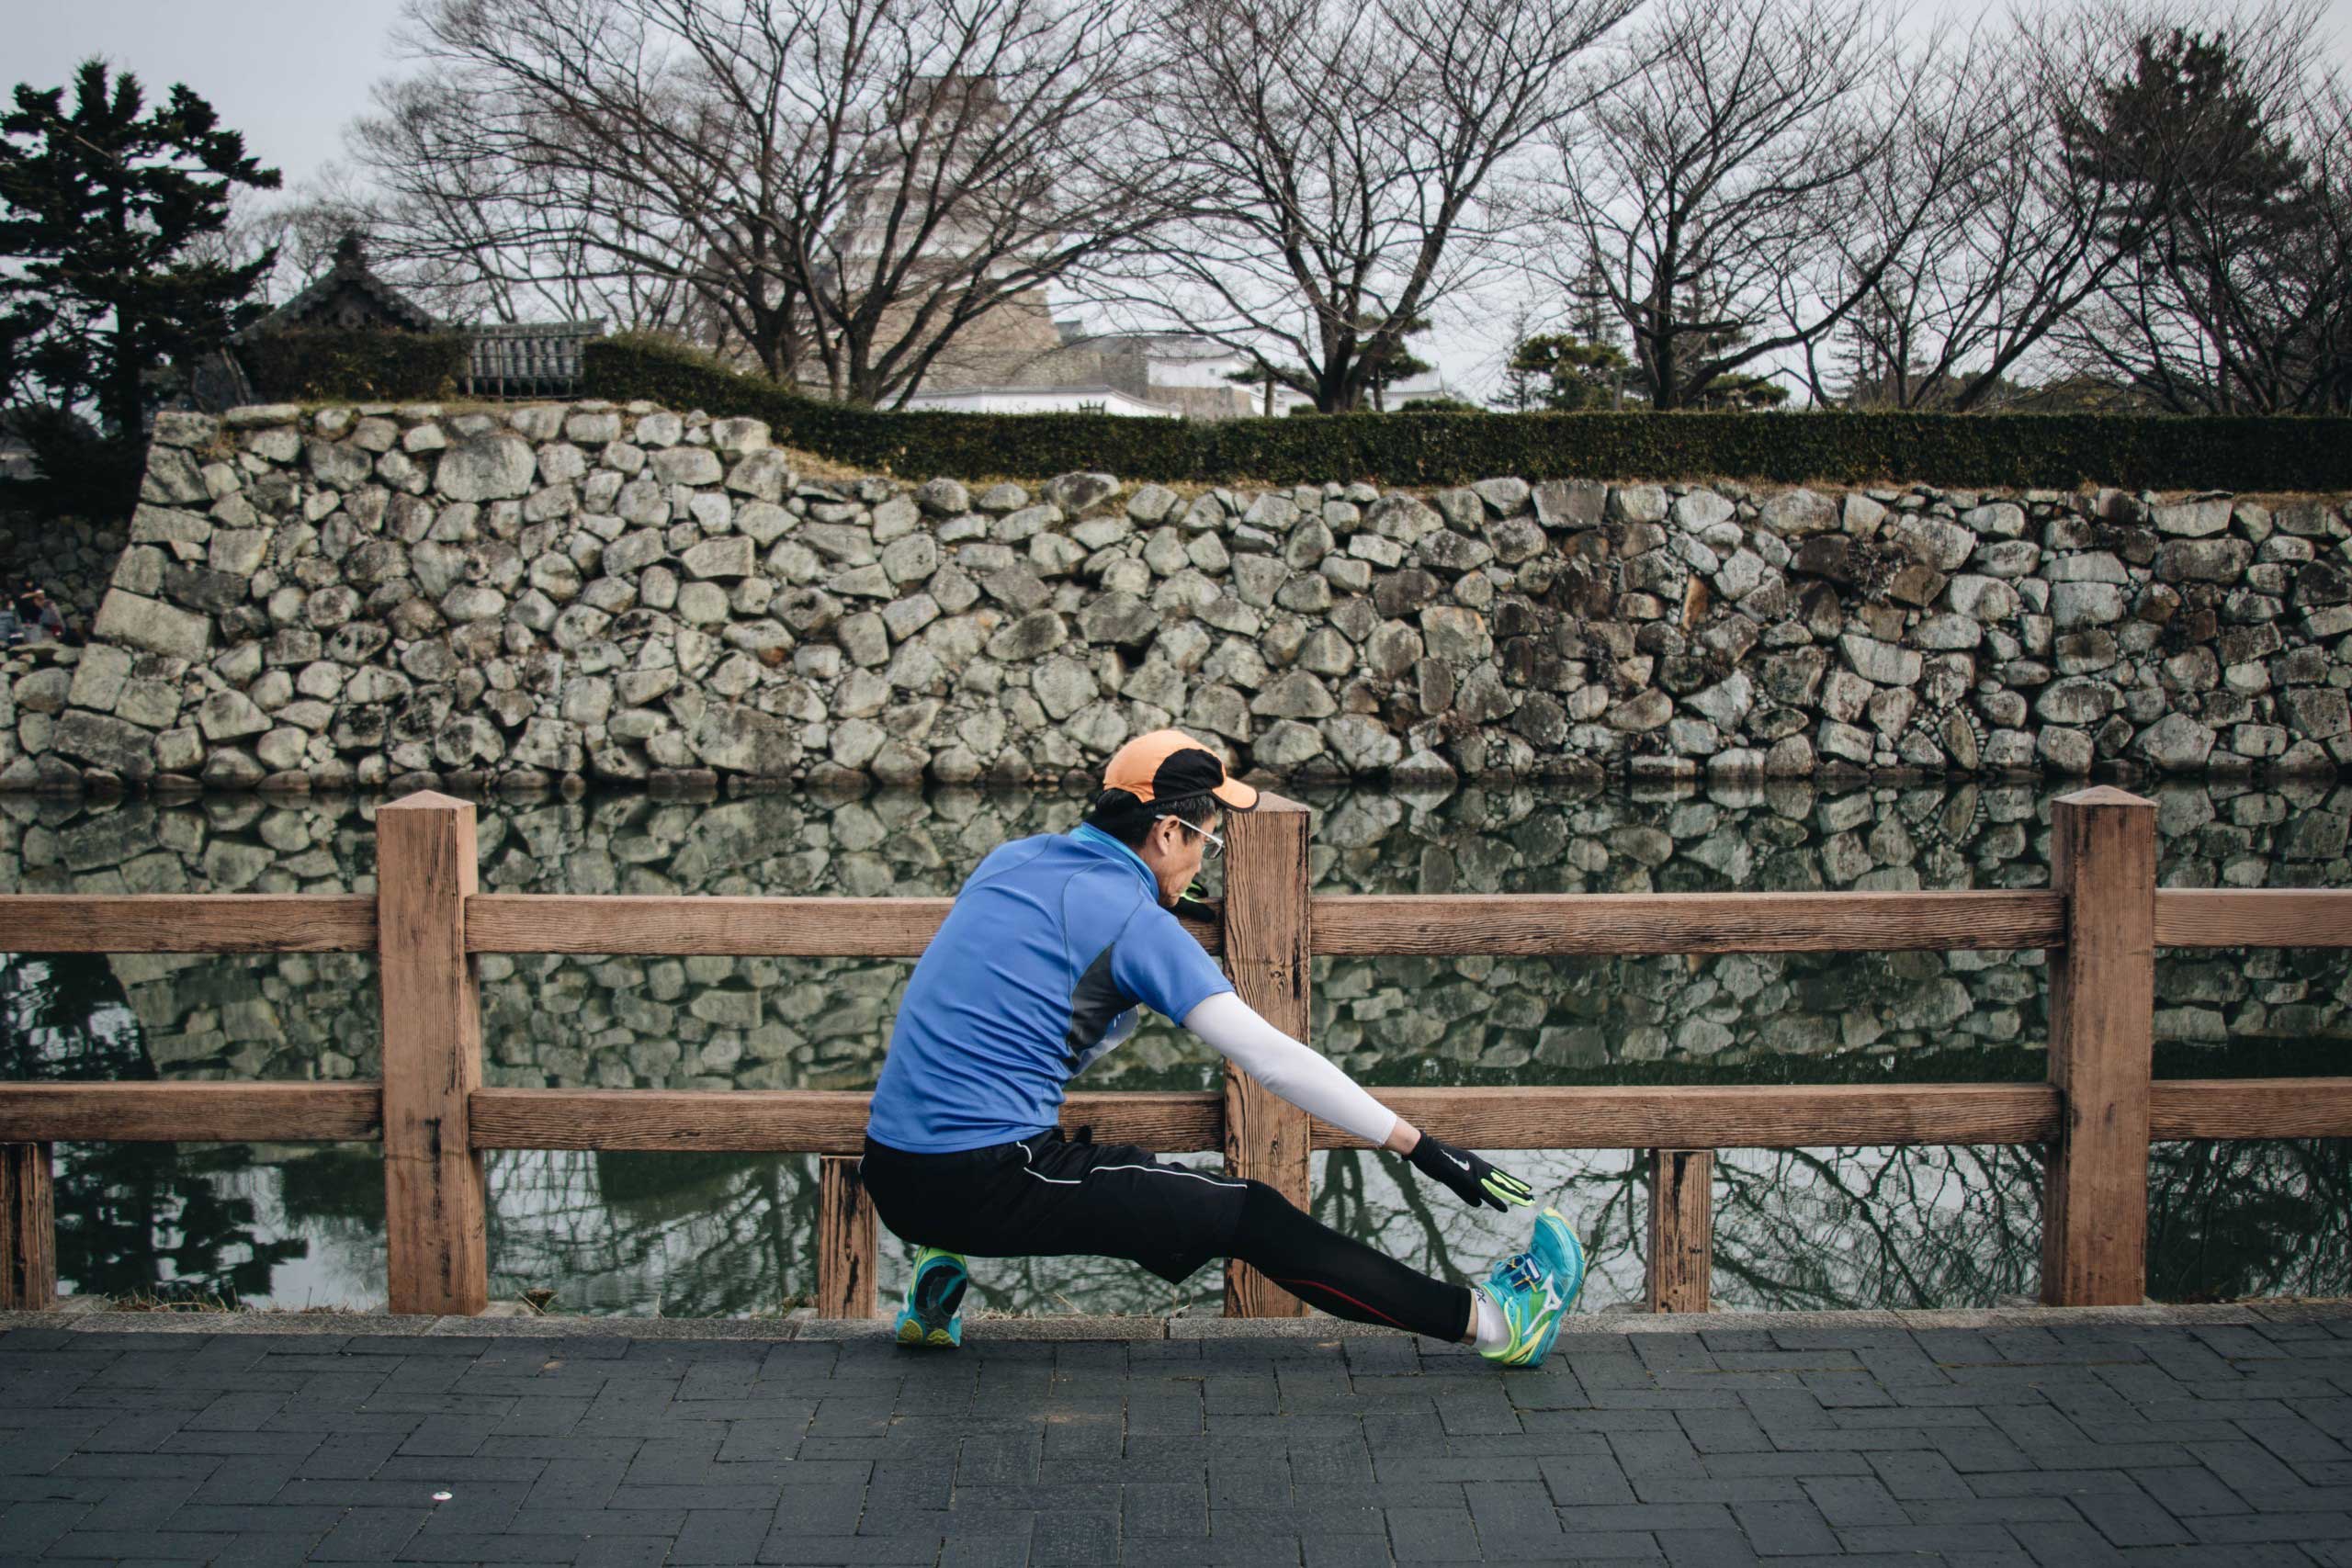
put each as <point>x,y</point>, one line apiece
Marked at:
<point>1343,1296</point>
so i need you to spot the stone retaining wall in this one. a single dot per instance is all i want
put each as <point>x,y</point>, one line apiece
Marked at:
<point>70,557</point>
<point>397,596</point>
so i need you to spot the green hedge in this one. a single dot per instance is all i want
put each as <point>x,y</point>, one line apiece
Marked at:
<point>308,364</point>
<point>2050,451</point>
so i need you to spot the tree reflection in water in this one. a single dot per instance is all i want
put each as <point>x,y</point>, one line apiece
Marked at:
<point>132,1219</point>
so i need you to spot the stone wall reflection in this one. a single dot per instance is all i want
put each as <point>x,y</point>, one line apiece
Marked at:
<point>722,1022</point>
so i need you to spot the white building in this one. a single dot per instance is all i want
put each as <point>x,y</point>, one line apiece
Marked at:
<point>1095,398</point>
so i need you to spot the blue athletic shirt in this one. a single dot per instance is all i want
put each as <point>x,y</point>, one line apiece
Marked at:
<point>1051,944</point>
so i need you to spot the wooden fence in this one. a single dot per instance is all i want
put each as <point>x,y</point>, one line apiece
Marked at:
<point>532,359</point>
<point>2101,920</point>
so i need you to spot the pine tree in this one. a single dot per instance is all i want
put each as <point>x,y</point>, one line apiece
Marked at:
<point>2232,301</point>
<point>1581,369</point>
<point>1569,375</point>
<point>2186,144</point>
<point>1590,316</point>
<point>101,211</point>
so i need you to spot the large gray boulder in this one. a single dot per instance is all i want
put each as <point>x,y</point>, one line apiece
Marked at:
<point>140,622</point>
<point>496,465</point>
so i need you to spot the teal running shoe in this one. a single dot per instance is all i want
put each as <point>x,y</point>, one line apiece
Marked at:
<point>933,1314</point>
<point>1535,1290</point>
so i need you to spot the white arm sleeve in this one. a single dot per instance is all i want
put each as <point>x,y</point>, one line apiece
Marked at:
<point>1298,1073</point>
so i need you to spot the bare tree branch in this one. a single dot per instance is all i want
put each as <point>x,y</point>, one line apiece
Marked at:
<point>1719,187</point>
<point>838,188</point>
<point>1341,161</point>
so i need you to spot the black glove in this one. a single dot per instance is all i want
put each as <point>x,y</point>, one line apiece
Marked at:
<point>1194,902</point>
<point>1468,1175</point>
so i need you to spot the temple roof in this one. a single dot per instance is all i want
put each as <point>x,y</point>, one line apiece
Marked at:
<point>346,295</point>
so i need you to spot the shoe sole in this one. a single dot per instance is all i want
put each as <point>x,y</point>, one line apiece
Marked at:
<point>916,1329</point>
<point>912,1332</point>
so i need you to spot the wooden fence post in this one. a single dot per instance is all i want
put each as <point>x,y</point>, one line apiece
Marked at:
<point>1682,1229</point>
<point>435,1227</point>
<point>844,1240</point>
<point>1267,951</point>
<point>28,1229</point>
<point>2102,1009</point>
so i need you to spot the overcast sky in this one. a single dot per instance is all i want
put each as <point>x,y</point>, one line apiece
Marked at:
<point>290,73</point>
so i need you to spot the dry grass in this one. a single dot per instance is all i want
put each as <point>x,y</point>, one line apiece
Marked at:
<point>208,1302</point>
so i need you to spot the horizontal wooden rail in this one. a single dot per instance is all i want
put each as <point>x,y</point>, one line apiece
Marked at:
<point>834,1121</point>
<point>1768,1116</point>
<point>190,1112</point>
<point>1345,924</point>
<point>1566,923</point>
<point>2254,916</point>
<point>739,927</point>
<point>191,922</point>
<point>1536,1117</point>
<point>2249,1108</point>
<point>824,1121</point>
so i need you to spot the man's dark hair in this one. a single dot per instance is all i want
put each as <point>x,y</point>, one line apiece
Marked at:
<point>1129,820</point>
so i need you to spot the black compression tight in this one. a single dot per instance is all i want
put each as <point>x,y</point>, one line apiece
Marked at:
<point>1344,1278</point>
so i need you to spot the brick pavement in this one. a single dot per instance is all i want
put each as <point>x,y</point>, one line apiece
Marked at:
<point>2052,1442</point>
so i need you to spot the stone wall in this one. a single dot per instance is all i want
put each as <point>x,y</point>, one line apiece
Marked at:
<point>70,557</point>
<point>397,595</point>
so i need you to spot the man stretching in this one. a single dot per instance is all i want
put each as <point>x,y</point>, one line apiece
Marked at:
<point>1053,944</point>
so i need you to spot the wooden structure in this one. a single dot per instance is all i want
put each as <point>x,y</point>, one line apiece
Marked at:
<point>528,359</point>
<point>503,359</point>
<point>2101,923</point>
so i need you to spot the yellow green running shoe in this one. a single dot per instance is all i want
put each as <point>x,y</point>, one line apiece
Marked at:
<point>1535,1290</point>
<point>934,1314</point>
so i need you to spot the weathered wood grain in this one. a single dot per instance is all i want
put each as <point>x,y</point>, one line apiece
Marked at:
<point>190,1112</point>
<point>834,1121</point>
<point>2250,1108</point>
<point>436,1229</point>
<point>28,1229</point>
<point>829,1121</point>
<point>1558,924</point>
<point>174,922</point>
<point>1681,1230</point>
<point>1533,1117</point>
<point>845,1241</point>
<point>1762,1116</point>
<point>739,927</point>
<point>1268,952</point>
<point>2254,916</point>
<point>2102,1033</point>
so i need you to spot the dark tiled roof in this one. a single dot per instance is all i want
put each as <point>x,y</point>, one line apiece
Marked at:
<point>350,272</point>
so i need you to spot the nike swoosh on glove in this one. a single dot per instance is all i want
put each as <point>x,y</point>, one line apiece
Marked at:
<point>1470,1176</point>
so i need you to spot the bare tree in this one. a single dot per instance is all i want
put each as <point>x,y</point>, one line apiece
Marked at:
<point>2022,253</point>
<point>1720,184</point>
<point>2225,146</point>
<point>1339,158</point>
<point>839,187</point>
<point>2010,242</point>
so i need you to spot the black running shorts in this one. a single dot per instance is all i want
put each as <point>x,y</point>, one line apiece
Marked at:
<point>1047,1196</point>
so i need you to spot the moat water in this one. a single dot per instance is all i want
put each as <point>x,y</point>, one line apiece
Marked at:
<point>686,1234</point>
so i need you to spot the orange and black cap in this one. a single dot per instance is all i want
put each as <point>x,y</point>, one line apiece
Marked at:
<point>1168,764</point>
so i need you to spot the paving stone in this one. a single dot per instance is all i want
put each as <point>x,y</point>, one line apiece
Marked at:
<point>2002,1439</point>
